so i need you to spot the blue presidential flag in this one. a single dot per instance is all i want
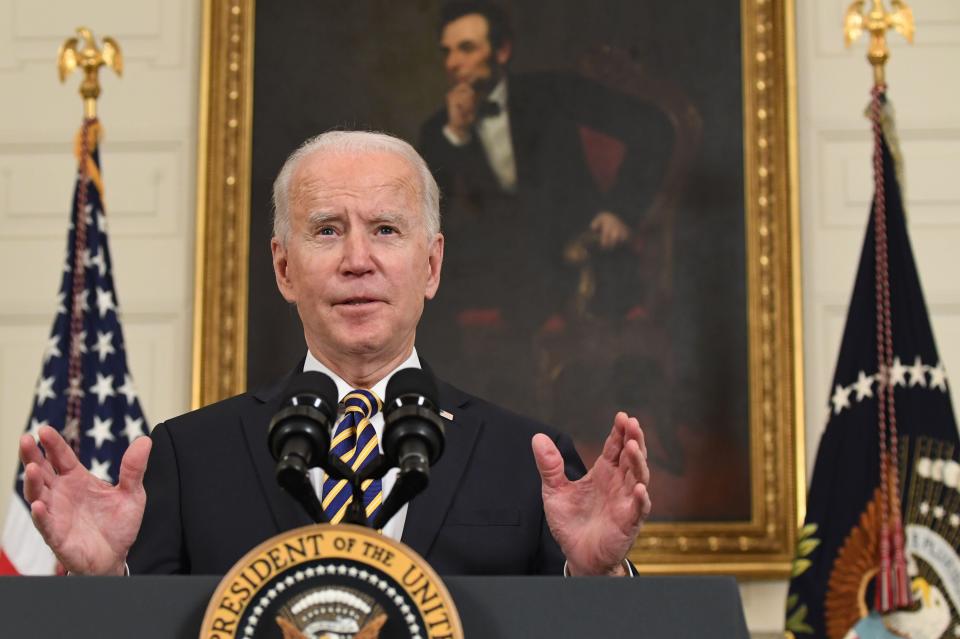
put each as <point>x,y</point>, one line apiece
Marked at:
<point>877,556</point>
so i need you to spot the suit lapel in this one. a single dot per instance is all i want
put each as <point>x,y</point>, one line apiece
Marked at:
<point>287,513</point>
<point>427,510</point>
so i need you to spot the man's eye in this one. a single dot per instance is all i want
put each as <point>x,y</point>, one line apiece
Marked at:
<point>387,230</point>
<point>326,230</point>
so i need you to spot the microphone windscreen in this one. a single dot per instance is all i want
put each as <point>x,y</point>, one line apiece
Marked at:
<point>313,383</point>
<point>412,381</point>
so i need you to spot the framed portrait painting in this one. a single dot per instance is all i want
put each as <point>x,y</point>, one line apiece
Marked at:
<point>619,210</point>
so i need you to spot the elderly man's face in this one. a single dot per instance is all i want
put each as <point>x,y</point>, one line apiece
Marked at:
<point>358,262</point>
<point>468,54</point>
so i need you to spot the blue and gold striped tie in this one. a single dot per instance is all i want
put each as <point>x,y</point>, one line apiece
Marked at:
<point>355,443</point>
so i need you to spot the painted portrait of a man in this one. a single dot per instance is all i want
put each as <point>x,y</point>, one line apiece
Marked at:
<point>509,151</point>
<point>591,182</point>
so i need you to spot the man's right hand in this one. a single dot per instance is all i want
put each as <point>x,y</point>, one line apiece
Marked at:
<point>88,524</point>
<point>461,110</point>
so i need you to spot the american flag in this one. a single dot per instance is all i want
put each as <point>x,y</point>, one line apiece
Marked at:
<point>84,389</point>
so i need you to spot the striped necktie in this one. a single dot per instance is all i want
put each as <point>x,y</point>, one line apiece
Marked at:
<point>355,443</point>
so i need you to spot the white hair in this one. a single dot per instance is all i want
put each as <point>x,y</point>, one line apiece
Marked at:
<point>342,142</point>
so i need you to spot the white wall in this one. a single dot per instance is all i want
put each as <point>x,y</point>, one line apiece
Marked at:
<point>836,186</point>
<point>148,159</point>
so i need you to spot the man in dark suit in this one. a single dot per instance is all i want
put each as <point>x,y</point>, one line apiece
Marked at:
<point>480,514</point>
<point>357,249</point>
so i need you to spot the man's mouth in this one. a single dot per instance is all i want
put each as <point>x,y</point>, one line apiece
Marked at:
<point>357,301</point>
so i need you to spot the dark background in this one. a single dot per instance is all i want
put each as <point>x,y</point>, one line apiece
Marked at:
<point>376,64</point>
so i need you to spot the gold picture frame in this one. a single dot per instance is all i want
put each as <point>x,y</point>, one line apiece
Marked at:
<point>760,546</point>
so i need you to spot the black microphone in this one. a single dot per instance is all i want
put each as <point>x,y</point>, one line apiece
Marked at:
<point>299,434</point>
<point>413,430</point>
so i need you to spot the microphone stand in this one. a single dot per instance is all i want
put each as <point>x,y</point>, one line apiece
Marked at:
<point>407,486</point>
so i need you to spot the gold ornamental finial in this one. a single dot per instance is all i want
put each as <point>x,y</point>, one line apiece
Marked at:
<point>877,21</point>
<point>82,52</point>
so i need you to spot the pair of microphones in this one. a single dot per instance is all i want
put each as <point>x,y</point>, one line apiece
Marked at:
<point>413,439</point>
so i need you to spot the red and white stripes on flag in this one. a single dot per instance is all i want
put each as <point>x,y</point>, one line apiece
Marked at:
<point>23,551</point>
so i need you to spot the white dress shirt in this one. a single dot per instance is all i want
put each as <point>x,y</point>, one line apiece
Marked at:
<point>394,527</point>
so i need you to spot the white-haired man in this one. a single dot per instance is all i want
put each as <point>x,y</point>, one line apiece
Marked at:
<point>357,249</point>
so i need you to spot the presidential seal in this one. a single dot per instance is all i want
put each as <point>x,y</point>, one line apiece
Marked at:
<point>331,582</point>
<point>932,535</point>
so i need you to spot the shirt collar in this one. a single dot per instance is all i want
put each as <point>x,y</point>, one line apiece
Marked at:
<point>380,388</point>
<point>499,94</point>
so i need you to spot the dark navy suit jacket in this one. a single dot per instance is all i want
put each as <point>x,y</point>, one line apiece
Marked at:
<point>212,495</point>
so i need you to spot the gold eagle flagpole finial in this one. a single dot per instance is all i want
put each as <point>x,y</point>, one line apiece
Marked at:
<point>877,21</point>
<point>82,52</point>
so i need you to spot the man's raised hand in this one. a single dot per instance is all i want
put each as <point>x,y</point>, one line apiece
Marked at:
<point>88,524</point>
<point>596,518</point>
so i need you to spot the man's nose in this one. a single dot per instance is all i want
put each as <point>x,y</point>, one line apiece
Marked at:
<point>452,61</point>
<point>357,254</point>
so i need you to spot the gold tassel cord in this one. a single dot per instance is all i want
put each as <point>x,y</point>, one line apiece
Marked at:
<point>84,145</point>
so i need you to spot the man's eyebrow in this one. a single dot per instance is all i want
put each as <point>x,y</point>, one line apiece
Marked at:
<point>459,44</point>
<point>388,217</point>
<point>322,217</point>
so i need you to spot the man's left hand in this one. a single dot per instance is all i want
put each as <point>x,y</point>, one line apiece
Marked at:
<point>596,518</point>
<point>610,229</point>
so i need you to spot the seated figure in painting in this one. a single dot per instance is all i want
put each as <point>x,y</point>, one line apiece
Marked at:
<point>568,165</point>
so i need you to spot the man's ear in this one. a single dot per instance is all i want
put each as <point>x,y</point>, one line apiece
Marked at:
<point>434,264</point>
<point>281,269</point>
<point>503,52</point>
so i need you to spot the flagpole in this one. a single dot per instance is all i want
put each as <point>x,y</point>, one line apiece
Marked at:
<point>877,21</point>
<point>81,52</point>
